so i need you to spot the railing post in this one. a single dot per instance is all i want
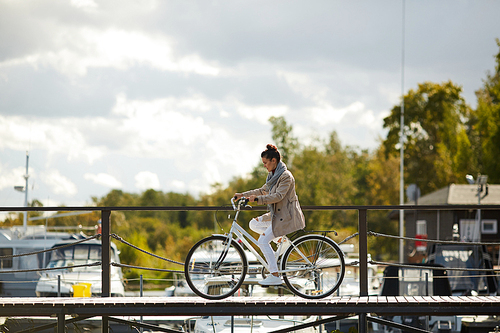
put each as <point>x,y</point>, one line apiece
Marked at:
<point>363,264</point>
<point>106,259</point>
<point>106,253</point>
<point>60,322</point>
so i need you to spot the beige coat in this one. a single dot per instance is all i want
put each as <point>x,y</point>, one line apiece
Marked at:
<point>288,216</point>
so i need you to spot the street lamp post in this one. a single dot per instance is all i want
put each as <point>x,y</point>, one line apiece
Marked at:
<point>25,190</point>
<point>482,183</point>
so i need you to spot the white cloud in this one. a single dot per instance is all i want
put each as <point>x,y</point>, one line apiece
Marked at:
<point>58,183</point>
<point>177,185</point>
<point>80,49</point>
<point>260,113</point>
<point>304,85</point>
<point>326,114</point>
<point>104,179</point>
<point>12,177</point>
<point>64,136</point>
<point>157,130</point>
<point>323,110</point>
<point>147,180</point>
<point>85,4</point>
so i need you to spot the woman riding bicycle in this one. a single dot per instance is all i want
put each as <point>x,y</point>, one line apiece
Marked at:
<point>284,216</point>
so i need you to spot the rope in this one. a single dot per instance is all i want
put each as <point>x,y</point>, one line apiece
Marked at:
<point>146,268</point>
<point>348,238</point>
<point>51,249</point>
<point>115,236</point>
<point>437,277</point>
<point>354,263</point>
<point>433,267</point>
<point>150,279</point>
<point>97,263</point>
<point>372,233</point>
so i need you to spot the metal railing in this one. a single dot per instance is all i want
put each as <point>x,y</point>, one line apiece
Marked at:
<point>362,234</point>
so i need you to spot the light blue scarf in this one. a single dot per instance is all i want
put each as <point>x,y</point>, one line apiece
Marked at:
<point>272,179</point>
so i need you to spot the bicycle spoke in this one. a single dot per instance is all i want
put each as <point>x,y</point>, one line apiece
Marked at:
<point>312,265</point>
<point>213,270</point>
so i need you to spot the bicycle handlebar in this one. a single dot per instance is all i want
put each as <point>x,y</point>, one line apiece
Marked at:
<point>243,202</point>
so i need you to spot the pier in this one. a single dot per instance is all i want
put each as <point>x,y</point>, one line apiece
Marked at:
<point>197,306</point>
<point>366,307</point>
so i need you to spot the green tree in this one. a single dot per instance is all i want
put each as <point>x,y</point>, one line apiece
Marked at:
<point>282,135</point>
<point>382,189</point>
<point>435,117</point>
<point>486,124</point>
<point>326,176</point>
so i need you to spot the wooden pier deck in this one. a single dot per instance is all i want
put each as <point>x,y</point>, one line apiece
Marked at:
<point>196,306</point>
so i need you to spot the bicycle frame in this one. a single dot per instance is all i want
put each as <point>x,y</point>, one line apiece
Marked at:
<point>241,235</point>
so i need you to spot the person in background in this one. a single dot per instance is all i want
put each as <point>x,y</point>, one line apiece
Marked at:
<point>284,216</point>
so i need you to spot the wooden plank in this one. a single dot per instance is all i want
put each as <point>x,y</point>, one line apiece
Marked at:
<point>401,300</point>
<point>344,300</point>
<point>411,300</point>
<point>362,300</point>
<point>353,300</point>
<point>492,299</point>
<point>377,300</point>
<point>439,300</point>
<point>420,300</point>
<point>392,300</point>
<point>476,299</point>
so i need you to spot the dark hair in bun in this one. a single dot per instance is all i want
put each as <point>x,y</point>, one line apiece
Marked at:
<point>271,152</point>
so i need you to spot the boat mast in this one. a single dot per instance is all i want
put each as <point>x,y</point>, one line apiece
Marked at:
<point>26,176</point>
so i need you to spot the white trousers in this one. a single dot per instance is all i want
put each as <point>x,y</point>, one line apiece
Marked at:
<point>265,229</point>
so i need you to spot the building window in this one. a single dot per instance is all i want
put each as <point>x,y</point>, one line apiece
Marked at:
<point>489,227</point>
<point>6,262</point>
<point>421,227</point>
<point>470,230</point>
<point>421,234</point>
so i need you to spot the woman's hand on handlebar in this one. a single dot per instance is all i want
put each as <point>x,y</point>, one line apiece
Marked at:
<point>252,198</point>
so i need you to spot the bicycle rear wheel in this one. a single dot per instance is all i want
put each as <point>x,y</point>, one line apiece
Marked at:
<point>213,271</point>
<point>314,266</point>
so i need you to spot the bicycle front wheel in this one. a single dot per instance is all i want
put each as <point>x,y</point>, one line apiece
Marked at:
<point>213,270</point>
<point>314,267</point>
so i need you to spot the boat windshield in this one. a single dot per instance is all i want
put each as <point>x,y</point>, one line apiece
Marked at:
<point>80,254</point>
<point>463,256</point>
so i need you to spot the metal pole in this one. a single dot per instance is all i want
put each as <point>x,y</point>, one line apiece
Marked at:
<point>60,323</point>
<point>363,264</point>
<point>141,294</point>
<point>438,223</point>
<point>59,286</point>
<point>337,322</point>
<point>401,142</point>
<point>106,259</point>
<point>363,253</point>
<point>426,284</point>
<point>26,176</point>
<point>106,254</point>
<point>478,225</point>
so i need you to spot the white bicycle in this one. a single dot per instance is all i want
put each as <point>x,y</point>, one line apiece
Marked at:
<point>312,266</point>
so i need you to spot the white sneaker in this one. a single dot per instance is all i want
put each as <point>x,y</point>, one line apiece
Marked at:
<point>271,280</point>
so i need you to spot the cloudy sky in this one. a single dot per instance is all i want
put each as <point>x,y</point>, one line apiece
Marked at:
<point>176,95</point>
